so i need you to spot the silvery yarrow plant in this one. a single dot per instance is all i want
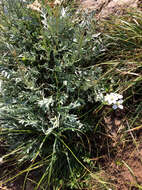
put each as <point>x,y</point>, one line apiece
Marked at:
<point>47,80</point>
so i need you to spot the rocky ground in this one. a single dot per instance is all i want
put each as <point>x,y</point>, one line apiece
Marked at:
<point>105,8</point>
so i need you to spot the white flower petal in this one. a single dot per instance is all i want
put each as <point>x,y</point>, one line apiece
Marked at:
<point>120,106</point>
<point>106,98</point>
<point>65,83</point>
<point>112,102</point>
<point>120,96</point>
<point>114,96</point>
<point>109,102</point>
<point>120,102</point>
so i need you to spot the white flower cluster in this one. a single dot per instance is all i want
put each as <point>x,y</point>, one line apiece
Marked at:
<point>114,99</point>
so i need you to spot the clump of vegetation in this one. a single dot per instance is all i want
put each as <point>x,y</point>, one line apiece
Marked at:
<point>47,72</point>
<point>56,70</point>
<point>123,36</point>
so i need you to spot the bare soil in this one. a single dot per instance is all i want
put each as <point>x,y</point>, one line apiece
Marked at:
<point>121,164</point>
<point>125,170</point>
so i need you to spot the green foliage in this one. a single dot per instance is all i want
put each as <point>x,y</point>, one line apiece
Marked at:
<point>54,65</point>
<point>48,79</point>
<point>123,38</point>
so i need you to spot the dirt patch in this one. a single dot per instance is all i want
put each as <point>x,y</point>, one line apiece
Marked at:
<point>125,170</point>
<point>122,164</point>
